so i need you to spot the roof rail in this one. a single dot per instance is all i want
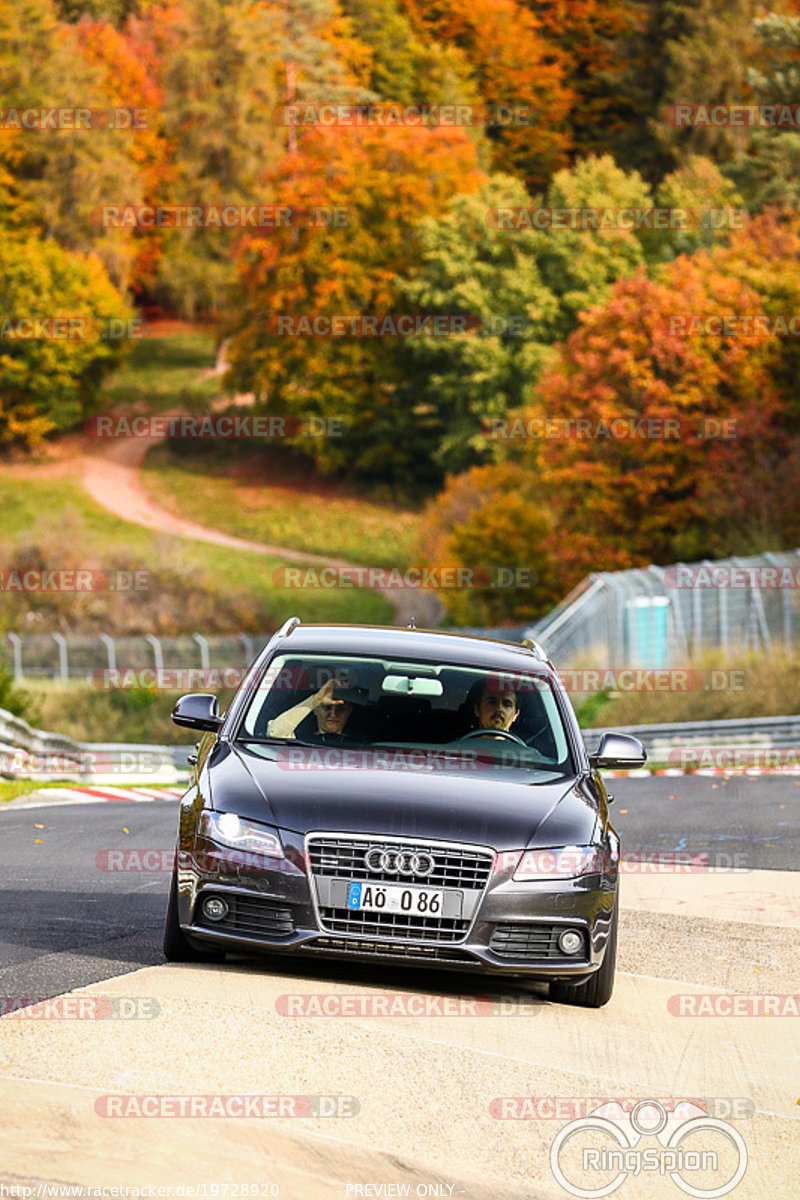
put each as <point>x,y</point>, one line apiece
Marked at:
<point>537,649</point>
<point>287,626</point>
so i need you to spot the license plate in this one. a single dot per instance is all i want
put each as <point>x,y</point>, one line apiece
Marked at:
<point>392,898</point>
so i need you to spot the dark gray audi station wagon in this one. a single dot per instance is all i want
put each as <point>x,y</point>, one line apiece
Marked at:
<point>401,795</point>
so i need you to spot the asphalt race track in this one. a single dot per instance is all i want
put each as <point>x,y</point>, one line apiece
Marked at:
<point>442,1095</point>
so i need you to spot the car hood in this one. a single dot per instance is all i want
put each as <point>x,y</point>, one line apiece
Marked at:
<point>506,808</point>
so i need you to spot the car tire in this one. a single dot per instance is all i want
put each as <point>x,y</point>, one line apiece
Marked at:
<point>597,989</point>
<point>177,946</point>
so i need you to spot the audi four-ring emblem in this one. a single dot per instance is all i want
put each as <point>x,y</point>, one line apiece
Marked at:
<point>399,862</point>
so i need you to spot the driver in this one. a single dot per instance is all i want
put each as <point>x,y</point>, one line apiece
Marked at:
<point>496,709</point>
<point>332,716</point>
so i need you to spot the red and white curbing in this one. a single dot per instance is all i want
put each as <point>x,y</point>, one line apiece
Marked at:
<point>88,794</point>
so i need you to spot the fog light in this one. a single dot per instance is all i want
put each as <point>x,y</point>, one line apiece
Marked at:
<point>570,941</point>
<point>215,909</point>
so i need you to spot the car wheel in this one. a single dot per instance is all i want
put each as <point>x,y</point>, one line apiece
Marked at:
<point>177,947</point>
<point>596,991</point>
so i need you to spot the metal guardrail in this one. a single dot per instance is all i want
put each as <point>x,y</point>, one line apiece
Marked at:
<point>775,733</point>
<point>28,753</point>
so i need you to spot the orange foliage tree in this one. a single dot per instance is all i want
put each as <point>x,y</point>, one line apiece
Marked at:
<point>690,471</point>
<point>128,66</point>
<point>596,42</point>
<point>492,522</point>
<point>520,77</point>
<point>377,183</point>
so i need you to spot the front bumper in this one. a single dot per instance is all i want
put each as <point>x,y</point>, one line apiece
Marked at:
<point>512,931</point>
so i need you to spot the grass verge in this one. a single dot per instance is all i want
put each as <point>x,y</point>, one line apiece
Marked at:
<point>50,522</point>
<point>166,372</point>
<point>266,496</point>
<point>718,689</point>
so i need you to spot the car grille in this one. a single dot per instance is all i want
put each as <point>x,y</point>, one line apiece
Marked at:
<point>333,857</point>
<point>524,941</point>
<point>343,858</point>
<point>251,917</point>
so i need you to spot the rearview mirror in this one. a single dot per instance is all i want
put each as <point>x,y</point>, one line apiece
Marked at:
<point>618,751</point>
<point>402,685</point>
<point>198,710</point>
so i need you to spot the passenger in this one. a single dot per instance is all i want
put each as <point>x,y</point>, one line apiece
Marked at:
<point>332,716</point>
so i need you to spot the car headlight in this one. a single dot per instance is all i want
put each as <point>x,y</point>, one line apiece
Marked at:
<point>230,830</point>
<point>561,862</point>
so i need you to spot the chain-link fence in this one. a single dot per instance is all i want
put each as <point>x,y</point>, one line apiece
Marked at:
<point>658,616</point>
<point>649,616</point>
<point>126,661</point>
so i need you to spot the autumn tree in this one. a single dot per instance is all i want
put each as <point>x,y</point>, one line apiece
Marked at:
<point>408,67</point>
<point>130,80</point>
<point>707,206</point>
<point>63,175</point>
<point>769,171</point>
<point>473,267</point>
<point>492,522</point>
<point>50,382</point>
<point>680,491</point>
<point>519,75</point>
<point>597,42</point>
<point>522,286</point>
<point>581,264</point>
<point>708,64</point>
<point>373,186</point>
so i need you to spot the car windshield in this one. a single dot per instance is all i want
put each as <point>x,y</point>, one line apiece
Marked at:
<point>501,718</point>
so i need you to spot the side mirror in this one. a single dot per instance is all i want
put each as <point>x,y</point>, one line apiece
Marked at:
<point>618,750</point>
<point>199,710</point>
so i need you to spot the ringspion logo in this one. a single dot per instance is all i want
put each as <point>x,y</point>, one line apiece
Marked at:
<point>692,1147</point>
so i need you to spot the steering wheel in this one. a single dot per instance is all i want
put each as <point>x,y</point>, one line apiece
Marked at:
<point>512,737</point>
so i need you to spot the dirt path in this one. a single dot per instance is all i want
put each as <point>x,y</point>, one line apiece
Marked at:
<point>110,473</point>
